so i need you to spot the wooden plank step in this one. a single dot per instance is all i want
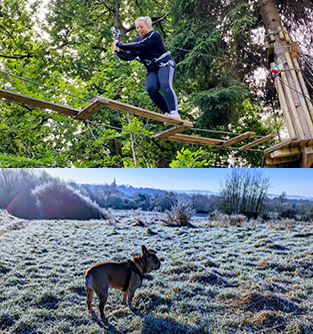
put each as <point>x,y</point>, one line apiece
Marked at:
<point>283,144</point>
<point>143,112</point>
<point>169,132</point>
<point>196,140</point>
<point>285,152</point>
<point>277,161</point>
<point>38,103</point>
<point>95,105</point>
<point>237,139</point>
<point>257,142</point>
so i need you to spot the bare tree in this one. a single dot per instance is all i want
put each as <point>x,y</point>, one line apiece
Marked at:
<point>244,192</point>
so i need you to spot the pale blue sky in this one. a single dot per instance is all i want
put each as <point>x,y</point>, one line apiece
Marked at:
<point>293,181</point>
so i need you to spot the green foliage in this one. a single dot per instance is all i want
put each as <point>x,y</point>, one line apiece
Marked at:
<point>218,104</point>
<point>70,50</point>
<point>187,159</point>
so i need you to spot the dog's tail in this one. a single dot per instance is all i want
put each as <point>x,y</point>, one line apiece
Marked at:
<point>88,281</point>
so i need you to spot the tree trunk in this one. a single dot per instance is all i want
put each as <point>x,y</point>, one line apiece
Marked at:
<point>291,90</point>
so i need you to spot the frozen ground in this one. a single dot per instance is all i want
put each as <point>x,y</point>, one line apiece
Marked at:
<point>249,279</point>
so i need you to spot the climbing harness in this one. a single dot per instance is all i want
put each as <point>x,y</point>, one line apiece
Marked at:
<point>154,64</point>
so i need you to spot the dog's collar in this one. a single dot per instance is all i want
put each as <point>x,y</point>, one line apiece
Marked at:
<point>132,267</point>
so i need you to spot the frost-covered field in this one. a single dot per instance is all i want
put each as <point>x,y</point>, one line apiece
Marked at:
<point>249,279</point>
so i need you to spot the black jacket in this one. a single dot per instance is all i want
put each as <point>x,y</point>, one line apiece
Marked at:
<point>145,47</point>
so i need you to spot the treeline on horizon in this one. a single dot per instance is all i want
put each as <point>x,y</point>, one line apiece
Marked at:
<point>31,194</point>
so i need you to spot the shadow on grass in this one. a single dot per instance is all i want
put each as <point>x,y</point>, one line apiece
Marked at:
<point>104,323</point>
<point>152,325</point>
<point>7,321</point>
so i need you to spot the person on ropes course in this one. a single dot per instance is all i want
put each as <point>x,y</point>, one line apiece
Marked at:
<point>160,65</point>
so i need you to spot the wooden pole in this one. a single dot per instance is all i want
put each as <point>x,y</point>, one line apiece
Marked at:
<point>303,87</point>
<point>292,110</point>
<point>306,113</point>
<point>296,107</point>
<point>284,106</point>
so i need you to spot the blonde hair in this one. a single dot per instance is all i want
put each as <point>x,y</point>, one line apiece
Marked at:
<point>146,19</point>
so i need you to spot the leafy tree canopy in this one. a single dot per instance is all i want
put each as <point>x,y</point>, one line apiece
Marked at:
<point>66,47</point>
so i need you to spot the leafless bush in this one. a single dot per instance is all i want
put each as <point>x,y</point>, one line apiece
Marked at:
<point>111,217</point>
<point>180,214</point>
<point>244,192</point>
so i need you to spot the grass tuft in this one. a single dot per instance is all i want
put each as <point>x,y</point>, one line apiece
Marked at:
<point>258,302</point>
<point>210,278</point>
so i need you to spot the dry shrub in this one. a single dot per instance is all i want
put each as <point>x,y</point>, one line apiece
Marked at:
<point>237,220</point>
<point>255,222</point>
<point>256,302</point>
<point>180,214</point>
<point>223,220</point>
<point>284,224</point>
<point>111,217</point>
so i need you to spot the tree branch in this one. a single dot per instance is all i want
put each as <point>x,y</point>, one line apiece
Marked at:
<point>155,20</point>
<point>16,56</point>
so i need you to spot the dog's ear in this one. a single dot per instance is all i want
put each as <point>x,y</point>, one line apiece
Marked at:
<point>145,252</point>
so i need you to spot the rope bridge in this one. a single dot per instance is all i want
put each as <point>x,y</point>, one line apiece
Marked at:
<point>99,102</point>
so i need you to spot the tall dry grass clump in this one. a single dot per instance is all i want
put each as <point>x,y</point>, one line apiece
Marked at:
<point>286,224</point>
<point>219,219</point>
<point>180,213</point>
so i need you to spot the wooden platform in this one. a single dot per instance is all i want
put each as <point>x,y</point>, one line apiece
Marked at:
<point>100,102</point>
<point>290,154</point>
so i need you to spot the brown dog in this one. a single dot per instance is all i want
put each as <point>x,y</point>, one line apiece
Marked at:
<point>125,275</point>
